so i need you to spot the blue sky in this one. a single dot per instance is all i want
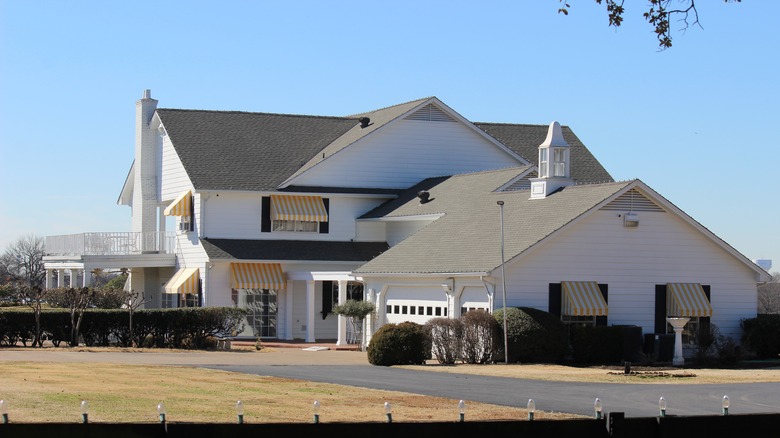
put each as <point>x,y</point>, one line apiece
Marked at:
<point>694,122</point>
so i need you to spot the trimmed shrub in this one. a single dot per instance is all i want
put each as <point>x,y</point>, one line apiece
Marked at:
<point>481,337</point>
<point>399,344</point>
<point>596,344</point>
<point>446,339</point>
<point>533,335</point>
<point>762,335</point>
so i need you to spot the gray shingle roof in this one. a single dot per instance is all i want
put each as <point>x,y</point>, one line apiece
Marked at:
<point>467,237</point>
<point>525,141</point>
<point>247,151</point>
<point>244,249</point>
<point>228,150</point>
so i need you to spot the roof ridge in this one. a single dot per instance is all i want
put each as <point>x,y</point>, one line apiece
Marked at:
<point>255,113</point>
<point>392,106</point>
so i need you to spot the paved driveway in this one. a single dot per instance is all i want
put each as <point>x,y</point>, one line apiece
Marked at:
<point>352,369</point>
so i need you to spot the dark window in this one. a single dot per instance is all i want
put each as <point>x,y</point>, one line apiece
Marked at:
<point>429,311</point>
<point>389,309</point>
<point>396,310</point>
<point>404,310</point>
<point>412,310</point>
<point>438,311</point>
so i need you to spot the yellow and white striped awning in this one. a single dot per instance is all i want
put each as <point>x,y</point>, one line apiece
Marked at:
<point>583,298</point>
<point>687,300</point>
<point>257,276</point>
<point>184,281</point>
<point>298,208</point>
<point>181,206</point>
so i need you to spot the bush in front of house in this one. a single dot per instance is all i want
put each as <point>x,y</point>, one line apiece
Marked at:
<point>533,335</point>
<point>481,337</point>
<point>399,344</point>
<point>596,344</point>
<point>446,337</point>
<point>762,335</point>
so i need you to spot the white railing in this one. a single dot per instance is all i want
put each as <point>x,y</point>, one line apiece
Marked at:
<point>121,243</point>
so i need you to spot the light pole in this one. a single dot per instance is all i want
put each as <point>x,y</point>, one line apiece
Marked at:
<point>503,282</point>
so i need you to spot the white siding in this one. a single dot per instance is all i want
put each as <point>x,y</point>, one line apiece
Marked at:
<point>475,297</point>
<point>406,152</point>
<point>663,249</point>
<point>173,178</point>
<point>237,215</point>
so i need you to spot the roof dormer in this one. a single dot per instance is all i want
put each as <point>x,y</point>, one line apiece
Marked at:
<point>554,159</point>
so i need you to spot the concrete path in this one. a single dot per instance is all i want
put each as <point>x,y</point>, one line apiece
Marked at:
<point>351,368</point>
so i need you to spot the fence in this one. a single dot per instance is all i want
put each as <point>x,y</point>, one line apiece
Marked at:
<point>614,425</point>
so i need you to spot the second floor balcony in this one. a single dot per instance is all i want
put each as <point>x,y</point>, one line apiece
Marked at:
<point>111,243</point>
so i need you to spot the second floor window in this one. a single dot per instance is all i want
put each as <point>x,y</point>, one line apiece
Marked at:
<point>299,226</point>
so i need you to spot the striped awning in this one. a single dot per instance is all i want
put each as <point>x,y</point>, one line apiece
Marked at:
<point>298,208</point>
<point>583,298</point>
<point>184,281</point>
<point>687,300</point>
<point>181,206</point>
<point>257,276</point>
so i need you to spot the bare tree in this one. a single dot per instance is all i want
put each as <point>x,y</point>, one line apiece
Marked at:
<point>133,300</point>
<point>659,14</point>
<point>23,261</point>
<point>79,300</point>
<point>34,298</point>
<point>769,295</point>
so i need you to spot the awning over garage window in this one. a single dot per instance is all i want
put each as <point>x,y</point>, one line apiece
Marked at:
<point>583,298</point>
<point>298,208</point>
<point>181,206</point>
<point>257,276</point>
<point>687,300</point>
<point>184,281</point>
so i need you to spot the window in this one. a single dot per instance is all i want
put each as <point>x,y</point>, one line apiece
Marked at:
<point>296,226</point>
<point>559,162</point>
<point>544,163</point>
<point>261,311</point>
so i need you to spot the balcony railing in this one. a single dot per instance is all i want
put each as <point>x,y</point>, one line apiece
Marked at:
<point>122,243</point>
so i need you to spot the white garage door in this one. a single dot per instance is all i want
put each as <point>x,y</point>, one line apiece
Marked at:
<point>415,304</point>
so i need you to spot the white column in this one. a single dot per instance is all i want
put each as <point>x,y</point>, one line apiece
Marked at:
<point>74,276</point>
<point>87,278</point>
<point>288,312</point>
<point>60,278</point>
<point>309,310</point>
<point>342,320</point>
<point>49,278</point>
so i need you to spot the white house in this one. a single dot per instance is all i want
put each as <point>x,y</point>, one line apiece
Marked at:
<point>285,215</point>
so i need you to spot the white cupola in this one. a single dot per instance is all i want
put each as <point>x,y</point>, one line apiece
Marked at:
<point>554,159</point>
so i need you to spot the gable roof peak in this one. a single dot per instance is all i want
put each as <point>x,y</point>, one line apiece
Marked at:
<point>415,102</point>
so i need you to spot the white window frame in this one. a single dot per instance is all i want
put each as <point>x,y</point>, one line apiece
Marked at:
<point>295,226</point>
<point>544,165</point>
<point>559,162</point>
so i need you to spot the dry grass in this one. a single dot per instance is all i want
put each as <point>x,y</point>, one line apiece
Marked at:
<point>52,392</point>
<point>610,374</point>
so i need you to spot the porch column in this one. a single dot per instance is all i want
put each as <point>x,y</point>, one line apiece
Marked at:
<point>288,312</point>
<point>342,320</point>
<point>60,278</point>
<point>87,280</point>
<point>74,278</point>
<point>309,310</point>
<point>49,278</point>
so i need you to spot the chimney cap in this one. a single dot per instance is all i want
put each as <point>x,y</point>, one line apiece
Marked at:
<point>147,94</point>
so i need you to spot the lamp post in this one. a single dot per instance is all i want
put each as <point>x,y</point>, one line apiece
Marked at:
<point>462,411</point>
<point>315,407</point>
<point>662,407</point>
<point>597,408</point>
<point>725,405</point>
<point>161,412</point>
<point>84,412</point>
<point>389,412</point>
<point>240,411</point>
<point>531,409</point>
<point>503,281</point>
<point>4,410</point>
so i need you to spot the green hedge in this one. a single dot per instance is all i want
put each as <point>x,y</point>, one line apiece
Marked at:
<point>762,335</point>
<point>399,344</point>
<point>171,328</point>
<point>533,335</point>
<point>597,344</point>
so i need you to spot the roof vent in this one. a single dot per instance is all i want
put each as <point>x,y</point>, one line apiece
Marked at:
<point>424,196</point>
<point>364,122</point>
